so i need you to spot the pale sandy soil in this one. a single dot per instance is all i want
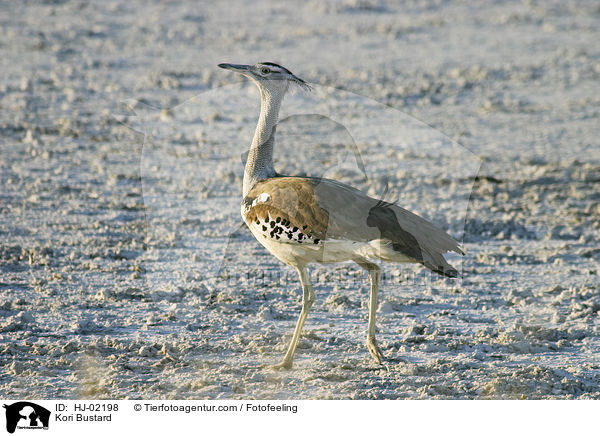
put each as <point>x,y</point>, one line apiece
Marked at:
<point>124,272</point>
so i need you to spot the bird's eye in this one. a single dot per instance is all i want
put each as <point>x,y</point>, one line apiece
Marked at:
<point>265,70</point>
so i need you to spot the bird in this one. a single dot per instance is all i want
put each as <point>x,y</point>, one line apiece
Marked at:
<point>303,220</point>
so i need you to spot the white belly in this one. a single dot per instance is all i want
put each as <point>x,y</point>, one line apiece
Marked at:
<point>328,251</point>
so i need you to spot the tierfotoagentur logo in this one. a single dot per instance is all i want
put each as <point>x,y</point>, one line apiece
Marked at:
<point>25,415</point>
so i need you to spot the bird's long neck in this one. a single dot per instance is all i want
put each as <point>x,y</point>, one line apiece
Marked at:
<point>259,165</point>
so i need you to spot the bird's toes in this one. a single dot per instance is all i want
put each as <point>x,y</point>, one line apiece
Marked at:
<point>374,350</point>
<point>283,365</point>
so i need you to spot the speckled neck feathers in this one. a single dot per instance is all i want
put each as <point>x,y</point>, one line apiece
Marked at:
<point>259,165</point>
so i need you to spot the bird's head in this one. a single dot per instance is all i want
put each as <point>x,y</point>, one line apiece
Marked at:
<point>268,76</point>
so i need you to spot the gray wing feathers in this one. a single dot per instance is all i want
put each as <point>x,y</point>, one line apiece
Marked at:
<point>356,216</point>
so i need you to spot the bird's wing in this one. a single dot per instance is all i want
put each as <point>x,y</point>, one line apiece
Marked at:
<point>326,209</point>
<point>355,215</point>
<point>285,208</point>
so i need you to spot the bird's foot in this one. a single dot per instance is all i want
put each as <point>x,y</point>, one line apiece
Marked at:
<point>285,364</point>
<point>374,350</point>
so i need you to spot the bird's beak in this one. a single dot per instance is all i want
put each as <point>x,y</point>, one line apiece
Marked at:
<point>235,67</point>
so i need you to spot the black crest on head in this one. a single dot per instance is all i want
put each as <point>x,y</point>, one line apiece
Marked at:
<point>297,80</point>
<point>273,64</point>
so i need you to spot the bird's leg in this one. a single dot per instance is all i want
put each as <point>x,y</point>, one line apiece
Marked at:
<point>374,276</point>
<point>308,298</point>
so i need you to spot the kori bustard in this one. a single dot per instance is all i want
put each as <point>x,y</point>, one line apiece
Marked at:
<point>301,220</point>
